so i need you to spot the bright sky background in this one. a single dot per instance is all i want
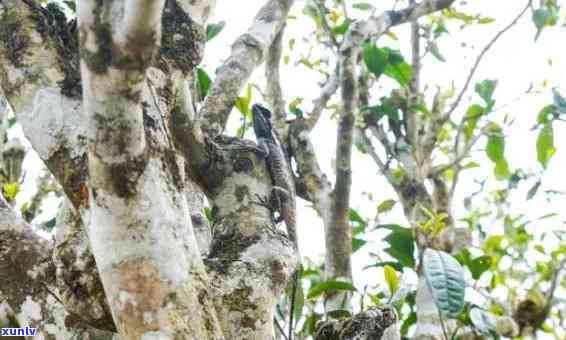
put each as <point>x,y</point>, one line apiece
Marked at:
<point>515,61</point>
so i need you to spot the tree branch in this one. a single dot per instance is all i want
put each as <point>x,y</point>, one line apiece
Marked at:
<point>248,52</point>
<point>375,26</point>
<point>483,52</point>
<point>330,87</point>
<point>274,93</point>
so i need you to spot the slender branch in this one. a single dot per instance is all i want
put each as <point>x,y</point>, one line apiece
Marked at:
<point>373,154</point>
<point>479,59</point>
<point>411,122</point>
<point>459,157</point>
<point>554,284</point>
<point>274,93</point>
<point>248,52</point>
<point>338,233</point>
<point>377,25</point>
<point>330,87</point>
<point>322,12</point>
<point>279,328</point>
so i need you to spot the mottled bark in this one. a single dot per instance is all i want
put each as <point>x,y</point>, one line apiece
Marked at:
<point>127,184</point>
<point>29,295</point>
<point>374,323</point>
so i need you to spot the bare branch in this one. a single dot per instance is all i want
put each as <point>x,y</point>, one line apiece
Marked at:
<point>460,156</point>
<point>484,51</point>
<point>411,122</point>
<point>274,93</point>
<point>248,52</point>
<point>375,26</point>
<point>330,87</point>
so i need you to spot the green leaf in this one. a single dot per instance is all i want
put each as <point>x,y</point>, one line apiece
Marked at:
<point>401,72</point>
<point>546,114</point>
<point>401,244</point>
<point>355,217</point>
<point>363,6</point>
<point>495,148</point>
<point>533,190</point>
<point>540,18</point>
<point>357,243</point>
<point>342,28</point>
<point>243,103</point>
<point>299,303</point>
<point>329,286</point>
<point>375,59</point>
<point>11,190</point>
<point>473,115</point>
<point>445,279</point>
<point>49,225</point>
<point>479,265</point>
<point>545,144</point>
<point>208,214</point>
<point>397,68</point>
<point>72,6</point>
<point>203,83</point>
<point>433,48</point>
<point>501,170</point>
<point>212,30</point>
<point>485,90</point>
<point>391,279</point>
<point>386,206</point>
<point>559,102</point>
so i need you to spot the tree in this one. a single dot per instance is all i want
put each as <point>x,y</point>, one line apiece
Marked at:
<point>133,132</point>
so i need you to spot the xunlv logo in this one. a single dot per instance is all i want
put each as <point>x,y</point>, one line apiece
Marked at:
<point>24,331</point>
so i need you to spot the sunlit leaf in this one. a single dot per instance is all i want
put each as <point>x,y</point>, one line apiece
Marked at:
<point>329,286</point>
<point>391,279</point>
<point>545,144</point>
<point>11,190</point>
<point>212,30</point>
<point>386,206</point>
<point>375,59</point>
<point>363,6</point>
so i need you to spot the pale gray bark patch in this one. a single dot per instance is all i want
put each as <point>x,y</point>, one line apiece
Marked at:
<point>77,276</point>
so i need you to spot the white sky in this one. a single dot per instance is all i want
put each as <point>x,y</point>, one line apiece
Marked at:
<point>515,61</point>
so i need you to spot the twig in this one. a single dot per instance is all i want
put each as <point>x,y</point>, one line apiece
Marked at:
<point>328,90</point>
<point>279,328</point>
<point>322,12</point>
<point>480,57</point>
